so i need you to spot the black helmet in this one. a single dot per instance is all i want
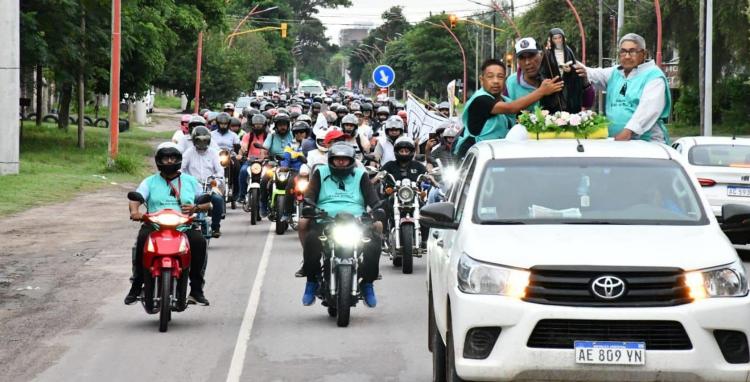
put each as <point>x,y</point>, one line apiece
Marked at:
<point>404,142</point>
<point>294,115</point>
<point>341,150</point>
<point>300,126</point>
<point>255,104</point>
<point>201,137</point>
<point>166,150</point>
<point>366,107</point>
<point>223,120</point>
<point>281,118</point>
<point>342,110</point>
<point>249,112</point>
<point>234,122</point>
<point>317,105</point>
<point>317,99</point>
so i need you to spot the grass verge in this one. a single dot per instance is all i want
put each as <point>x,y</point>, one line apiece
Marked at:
<point>53,169</point>
<point>166,102</point>
<point>677,130</point>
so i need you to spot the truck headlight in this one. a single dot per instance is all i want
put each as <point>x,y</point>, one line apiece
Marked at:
<point>346,235</point>
<point>476,277</point>
<point>724,281</point>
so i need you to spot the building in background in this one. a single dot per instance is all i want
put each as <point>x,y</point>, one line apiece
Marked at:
<point>352,36</point>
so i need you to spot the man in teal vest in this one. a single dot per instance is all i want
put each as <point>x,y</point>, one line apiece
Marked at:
<point>638,98</point>
<point>169,189</point>
<point>489,115</point>
<point>340,187</point>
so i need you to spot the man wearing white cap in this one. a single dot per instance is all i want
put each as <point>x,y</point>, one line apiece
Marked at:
<point>527,78</point>
<point>638,98</point>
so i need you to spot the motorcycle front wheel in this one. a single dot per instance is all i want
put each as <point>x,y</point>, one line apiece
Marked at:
<point>165,303</point>
<point>343,295</point>
<point>407,247</point>
<point>281,225</point>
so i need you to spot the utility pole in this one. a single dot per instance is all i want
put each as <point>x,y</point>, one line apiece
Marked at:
<point>708,109</point>
<point>701,64</point>
<point>81,88</point>
<point>492,34</point>
<point>198,60</point>
<point>10,74</point>
<point>476,60</point>
<point>599,98</point>
<point>620,17</point>
<point>114,86</point>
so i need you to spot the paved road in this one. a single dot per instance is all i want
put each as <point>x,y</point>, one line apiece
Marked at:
<point>287,341</point>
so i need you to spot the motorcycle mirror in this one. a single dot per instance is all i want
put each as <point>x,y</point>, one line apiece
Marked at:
<point>203,199</point>
<point>134,196</point>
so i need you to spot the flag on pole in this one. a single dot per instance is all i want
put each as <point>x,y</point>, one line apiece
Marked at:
<point>420,121</point>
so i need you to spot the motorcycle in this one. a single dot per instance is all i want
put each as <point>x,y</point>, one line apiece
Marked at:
<point>166,262</point>
<point>203,219</point>
<point>225,158</point>
<point>278,197</point>
<point>255,172</point>
<point>404,237</point>
<point>342,240</point>
<point>300,186</point>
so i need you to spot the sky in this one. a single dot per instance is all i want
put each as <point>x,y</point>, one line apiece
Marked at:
<point>369,12</point>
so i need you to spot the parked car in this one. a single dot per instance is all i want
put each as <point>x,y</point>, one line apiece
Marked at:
<point>722,165</point>
<point>603,263</point>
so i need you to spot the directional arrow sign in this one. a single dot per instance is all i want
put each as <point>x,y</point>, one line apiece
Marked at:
<point>383,76</point>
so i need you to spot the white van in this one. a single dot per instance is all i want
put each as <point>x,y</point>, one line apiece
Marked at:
<point>315,88</point>
<point>266,85</point>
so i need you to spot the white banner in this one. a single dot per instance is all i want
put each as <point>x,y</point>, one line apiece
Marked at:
<point>451,95</point>
<point>420,121</point>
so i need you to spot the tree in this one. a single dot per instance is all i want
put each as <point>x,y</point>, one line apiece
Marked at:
<point>393,27</point>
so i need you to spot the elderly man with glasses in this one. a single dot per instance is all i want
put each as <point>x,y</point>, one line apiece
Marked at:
<point>638,98</point>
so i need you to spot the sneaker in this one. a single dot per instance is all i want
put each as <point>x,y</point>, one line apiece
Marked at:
<point>300,272</point>
<point>198,298</point>
<point>368,292</point>
<point>263,210</point>
<point>216,233</point>
<point>132,297</point>
<point>309,297</point>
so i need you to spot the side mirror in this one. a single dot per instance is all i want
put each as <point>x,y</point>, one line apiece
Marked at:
<point>438,215</point>
<point>736,223</point>
<point>203,199</point>
<point>134,196</point>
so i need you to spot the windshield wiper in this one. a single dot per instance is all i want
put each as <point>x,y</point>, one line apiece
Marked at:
<point>593,222</point>
<point>502,222</point>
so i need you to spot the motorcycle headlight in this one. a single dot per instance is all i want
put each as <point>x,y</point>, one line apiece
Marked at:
<point>476,277</point>
<point>224,159</point>
<point>405,194</point>
<point>255,168</point>
<point>301,185</point>
<point>346,235</point>
<point>169,220</point>
<point>724,281</point>
<point>282,176</point>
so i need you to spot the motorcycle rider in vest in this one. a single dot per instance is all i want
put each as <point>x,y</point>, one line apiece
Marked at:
<point>638,101</point>
<point>394,128</point>
<point>275,143</point>
<point>170,189</point>
<point>202,161</point>
<point>293,159</point>
<point>487,114</point>
<point>404,167</point>
<point>339,187</point>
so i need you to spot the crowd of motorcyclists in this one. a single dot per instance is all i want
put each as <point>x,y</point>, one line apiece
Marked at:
<point>304,163</point>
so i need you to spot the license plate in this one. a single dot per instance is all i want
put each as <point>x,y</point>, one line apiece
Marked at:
<point>738,191</point>
<point>610,353</point>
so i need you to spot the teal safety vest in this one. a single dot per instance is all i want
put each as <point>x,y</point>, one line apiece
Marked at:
<point>620,107</point>
<point>496,127</point>
<point>333,198</point>
<point>516,90</point>
<point>159,192</point>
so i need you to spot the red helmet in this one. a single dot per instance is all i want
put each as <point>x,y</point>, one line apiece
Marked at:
<point>184,123</point>
<point>332,136</point>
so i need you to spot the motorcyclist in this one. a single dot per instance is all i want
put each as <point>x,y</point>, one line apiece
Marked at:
<point>315,110</point>
<point>441,146</point>
<point>339,187</point>
<point>229,109</point>
<point>235,127</point>
<point>293,159</point>
<point>331,118</point>
<point>183,130</point>
<point>341,112</point>
<point>230,141</point>
<point>186,141</point>
<point>319,156</point>
<point>201,161</point>
<point>169,189</point>
<point>274,144</point>
<point>394,128</point>
<point>309,143</point>
<point>248,150</point>
<point>382,114</point>
<point>349,126</point>
<point>444,109</point>
<point>404,167</point>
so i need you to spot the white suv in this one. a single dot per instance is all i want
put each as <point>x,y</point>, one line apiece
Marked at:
<point>554,260</point>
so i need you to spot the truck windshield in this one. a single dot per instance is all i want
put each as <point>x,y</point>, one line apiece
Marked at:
<point>587,191</point>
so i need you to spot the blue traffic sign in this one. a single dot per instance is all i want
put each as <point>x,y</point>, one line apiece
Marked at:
<point>383,76</point>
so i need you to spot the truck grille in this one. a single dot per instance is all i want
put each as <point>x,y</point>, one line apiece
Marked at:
<point>572,286</point>
<point>561,334</point>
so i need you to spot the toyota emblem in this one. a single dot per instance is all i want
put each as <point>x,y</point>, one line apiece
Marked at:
<point>608,287</point>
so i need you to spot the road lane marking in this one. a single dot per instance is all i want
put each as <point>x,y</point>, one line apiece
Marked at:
<point>243,338</point>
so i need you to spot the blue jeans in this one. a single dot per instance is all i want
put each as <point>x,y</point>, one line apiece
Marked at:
<point>434,196</point>
<point>217,203</point>
<point>243,181</point>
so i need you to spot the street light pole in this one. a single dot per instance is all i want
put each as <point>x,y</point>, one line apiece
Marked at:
<point>657,8</point>
<point>463,55</point>
<point>114,86</point>
<point>198,72</point>
<point>580,29</point>
<point>708,108</point>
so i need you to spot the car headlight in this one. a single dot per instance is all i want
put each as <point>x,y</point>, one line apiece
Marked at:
<point>405,194</point>
<point>346,235</point>
<point>724,281</point>
<point>476,277</point>
<point>255,168</point>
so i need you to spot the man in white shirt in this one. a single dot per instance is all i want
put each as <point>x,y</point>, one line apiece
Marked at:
<point>394,128</point>
<point>201,161</point>
<point>638,97</point>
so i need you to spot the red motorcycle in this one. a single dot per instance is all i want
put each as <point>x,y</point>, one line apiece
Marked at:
<point>166,262</point>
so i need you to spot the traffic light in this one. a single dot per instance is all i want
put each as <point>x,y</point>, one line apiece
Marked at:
<point>453,20</point>
<point>283,30</point>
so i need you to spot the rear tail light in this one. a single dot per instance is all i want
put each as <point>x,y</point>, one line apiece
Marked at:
<point>705,182</point>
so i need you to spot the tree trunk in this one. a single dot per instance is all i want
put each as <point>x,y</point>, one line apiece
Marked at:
<point>39,95</point>
<point>81,89</point>
<point>702,63</point>
<point>66,96</point>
